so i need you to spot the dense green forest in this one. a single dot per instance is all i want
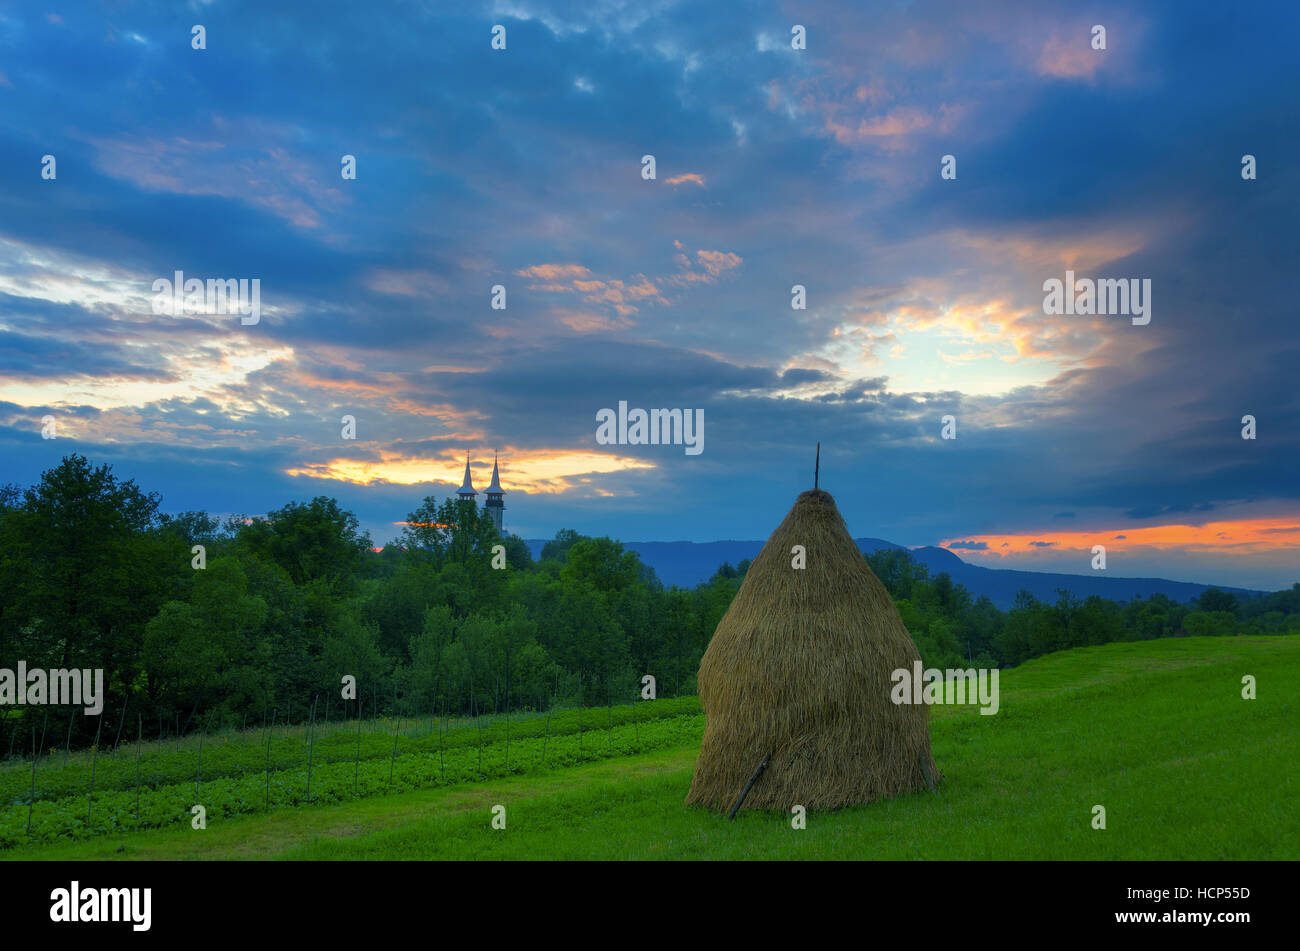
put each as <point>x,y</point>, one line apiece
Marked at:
<point>94,575</point>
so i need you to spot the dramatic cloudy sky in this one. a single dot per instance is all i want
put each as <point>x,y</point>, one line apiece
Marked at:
<point>775,167</point>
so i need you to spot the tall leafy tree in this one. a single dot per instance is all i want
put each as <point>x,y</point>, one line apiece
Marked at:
<point>319,540</point>
<point>85,569</point>
<point>558,547</point>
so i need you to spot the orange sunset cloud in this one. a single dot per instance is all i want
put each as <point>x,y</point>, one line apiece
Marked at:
<point>545,472</point>
<point>1242,536</point>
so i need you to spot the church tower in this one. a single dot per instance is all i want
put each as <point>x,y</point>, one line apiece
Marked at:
<point>495,503</point>
<point>466,491</point>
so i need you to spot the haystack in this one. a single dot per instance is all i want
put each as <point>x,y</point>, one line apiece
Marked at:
<point>799,671</point>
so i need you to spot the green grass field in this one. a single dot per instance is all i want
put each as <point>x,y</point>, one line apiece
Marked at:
<point>1157,732</point>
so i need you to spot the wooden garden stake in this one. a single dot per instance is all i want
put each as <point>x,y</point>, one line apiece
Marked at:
<point>31,797</point>
<point>94,752</point>
<point>139,739</point>
<point>311,746</point>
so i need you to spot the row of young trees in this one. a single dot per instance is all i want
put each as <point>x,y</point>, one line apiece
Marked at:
<point>94,575</point>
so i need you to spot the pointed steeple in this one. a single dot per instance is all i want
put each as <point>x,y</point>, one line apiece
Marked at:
<point>496,501</point>
<point>466,491</point>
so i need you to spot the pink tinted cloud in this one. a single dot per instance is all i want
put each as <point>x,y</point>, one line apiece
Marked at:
<point>1069,57</point>
<point>269,178</point>
<point>888,130</point>
<point>586,322</point>
<point>625,296</point>
<point>554,272</point>
<point>406,283</point>
<point>715,262</point>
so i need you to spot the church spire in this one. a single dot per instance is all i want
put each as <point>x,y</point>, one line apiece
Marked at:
<point>466,491</point>
<point>496,502</point>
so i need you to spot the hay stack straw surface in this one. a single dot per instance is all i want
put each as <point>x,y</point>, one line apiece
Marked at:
<point>800,667</point>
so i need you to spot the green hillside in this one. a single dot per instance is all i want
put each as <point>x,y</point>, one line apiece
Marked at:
<point>1156,731</point>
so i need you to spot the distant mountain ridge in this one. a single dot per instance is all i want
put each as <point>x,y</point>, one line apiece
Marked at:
<point>688,563</point>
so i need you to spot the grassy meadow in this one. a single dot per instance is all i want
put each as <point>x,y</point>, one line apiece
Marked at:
<point>1155,731</point>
